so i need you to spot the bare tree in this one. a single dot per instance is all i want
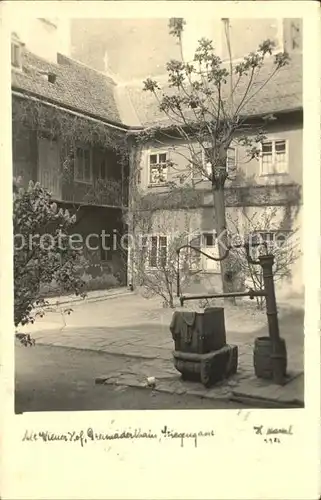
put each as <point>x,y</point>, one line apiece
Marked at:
<point>262,228</point>
<point>153,249</point>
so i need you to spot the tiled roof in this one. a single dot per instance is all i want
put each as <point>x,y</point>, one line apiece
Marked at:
<point>76,85</point>
<point>91,92</point>
<point>282,93</point>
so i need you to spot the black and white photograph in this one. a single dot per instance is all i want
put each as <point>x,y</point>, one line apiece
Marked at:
<point>160,249</point>
<point>157,213</point>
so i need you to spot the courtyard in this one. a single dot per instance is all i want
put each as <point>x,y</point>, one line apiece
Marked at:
<point>124,338</point>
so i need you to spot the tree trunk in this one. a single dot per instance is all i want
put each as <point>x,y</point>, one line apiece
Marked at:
<point>221,231</point>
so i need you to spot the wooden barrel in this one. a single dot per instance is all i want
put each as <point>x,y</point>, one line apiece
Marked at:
<point>262,357</point>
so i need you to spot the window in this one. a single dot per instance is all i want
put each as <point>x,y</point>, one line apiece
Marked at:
<point>272,238</point>
<point>204,159</point>
<point>188,256</point>
<point>83,165</point>
<point>207,163</point>
<point>16,55</point>
<point>208,239</point>
<point>207,159</point>
<point>16,51</point>
<point>270,241</point>
<point>274,157</point>
<point>210,247</point>
<point>158,168</point>
<point>143,242</point>
<point>231,161</point>
<point>155,249</point>
<point>103,170</point>
<point>162,250</point>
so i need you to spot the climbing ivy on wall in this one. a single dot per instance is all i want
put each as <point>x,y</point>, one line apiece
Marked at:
<point>59,123</point>
<point>55,123</point>
<point>128,145</point>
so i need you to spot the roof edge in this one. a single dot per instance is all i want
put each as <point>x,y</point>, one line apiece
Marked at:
<point>249,117</point>
<point>121,126</point>
<point>277,112</point>
<point>72,109</point>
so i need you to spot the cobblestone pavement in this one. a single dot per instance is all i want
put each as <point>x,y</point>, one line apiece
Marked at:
<point>139,328</point>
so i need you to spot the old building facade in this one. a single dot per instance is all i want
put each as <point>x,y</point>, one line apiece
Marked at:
<point>66,130</point>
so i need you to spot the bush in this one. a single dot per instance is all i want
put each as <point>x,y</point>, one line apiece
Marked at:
<point>103,282</point>
<point>42,253</point>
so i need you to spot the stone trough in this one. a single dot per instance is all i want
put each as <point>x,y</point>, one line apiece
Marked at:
<point>201,352</point>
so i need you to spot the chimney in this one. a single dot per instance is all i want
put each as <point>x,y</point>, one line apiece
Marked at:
<point>52,77</point>
<point>49,76</point>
